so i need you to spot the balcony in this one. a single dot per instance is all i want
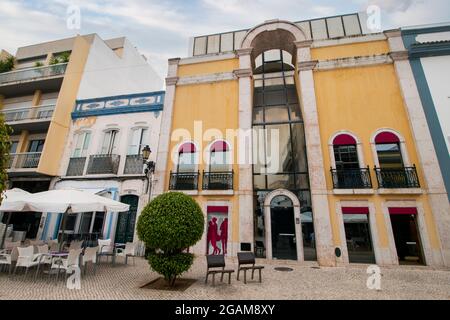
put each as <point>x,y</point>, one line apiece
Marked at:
<point>183,181</point>
<point>103,164</point>
<point>134,164</point>
<point>351,178</point>
<point>29,160</point>
<point>76,166</point>
<point>33,73</point>
<point>397,178</point>
<point>217,180</point>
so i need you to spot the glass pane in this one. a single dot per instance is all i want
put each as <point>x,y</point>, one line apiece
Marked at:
<point>238,37</point>
<point>226,42</point>
<point>259,157</point>
<point>335,28</point>
<point>13,147</point>
<point>213,44</point>
<point>199,46</point>
<point>85,223</point>
<point>87,140</point>
<point>319,29</point>
<point>258,97</point>
<point>278,149</point>
<point>258,115</point>
<point>276,114</point>
<point>280,181</point>
<point>299,147</point>
<point>220,161</point>
<point>259,182</point>
<point>295,112</point>
<point>389,156</point>
<point>305,27</point>
<point>281,201</point>
<point>302,181</point>
<point>98,222</point>
<point>186,162</point>
<point>351,25</point>
<point>272,55</point>
<point>291,93</point>
<point>274,97</point>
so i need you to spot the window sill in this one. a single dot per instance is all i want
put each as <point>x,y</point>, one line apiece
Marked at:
<point>217,192</point>
<point>400,191</point>
<point>353,191</point>
<point>187,192</point>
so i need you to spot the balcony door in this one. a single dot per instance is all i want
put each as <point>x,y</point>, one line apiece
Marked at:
<point>109,145</point>
<point>31,159</point>
<point>127,220</point>
<point>81,144</point>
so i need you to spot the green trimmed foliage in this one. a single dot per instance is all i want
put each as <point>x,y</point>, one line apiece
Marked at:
<point>169,224</point>
<point>7,64</point>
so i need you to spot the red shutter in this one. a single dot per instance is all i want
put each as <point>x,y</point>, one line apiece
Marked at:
<point>355,210</point>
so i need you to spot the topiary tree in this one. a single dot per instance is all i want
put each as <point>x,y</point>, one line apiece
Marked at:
<point>4,154</point>
<point>169,224</point>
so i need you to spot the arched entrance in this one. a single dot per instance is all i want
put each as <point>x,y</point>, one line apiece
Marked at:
<point>283,226</point>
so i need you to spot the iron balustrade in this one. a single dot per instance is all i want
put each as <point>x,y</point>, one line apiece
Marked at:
<point>351,178</point>
<point>134,164</point>
<point>405,177</point>
<point>33,73</point>
<point>103,164</point>
<point>217,180</point>
<point>28,160</point>
<point>76,166</point>
<point>31,113</point>
<point>183,181</point>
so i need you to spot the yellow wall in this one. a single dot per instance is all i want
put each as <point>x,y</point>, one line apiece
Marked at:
<point>363,100</point>
<point>350,50</point>
<point>216,106</point>
<point>208,67</point>
<point>59,126</point>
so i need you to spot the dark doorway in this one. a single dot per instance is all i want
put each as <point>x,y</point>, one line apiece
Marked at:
<point>406,236</point>
<point>127,220</point>
<point>359,242</point>
<point>283,229</point>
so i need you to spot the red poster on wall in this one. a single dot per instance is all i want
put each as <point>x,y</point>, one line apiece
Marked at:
<point>217,236</point>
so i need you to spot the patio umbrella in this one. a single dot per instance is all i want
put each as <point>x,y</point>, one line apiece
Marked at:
<point>14,200</point>
<point>72,201</point>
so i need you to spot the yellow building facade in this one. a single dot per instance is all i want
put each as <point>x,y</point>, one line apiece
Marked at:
<point>348,171</point>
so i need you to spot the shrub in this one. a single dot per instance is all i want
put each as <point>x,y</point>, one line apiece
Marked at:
<point>169,224</point>
<point>7,64</point>
<point>4,154</point>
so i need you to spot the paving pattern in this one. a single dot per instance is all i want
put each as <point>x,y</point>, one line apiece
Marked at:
<point>306,281</point>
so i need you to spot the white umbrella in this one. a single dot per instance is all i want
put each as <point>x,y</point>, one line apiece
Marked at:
<point>14,200</point>
<point>73,201</point>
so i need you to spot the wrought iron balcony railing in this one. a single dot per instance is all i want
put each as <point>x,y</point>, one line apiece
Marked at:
<point>31,113</point>
<point>397,178</point>
<point>103,164</point>
<point>76,166</point>
<point>351,178</point>
<point>217,180</point>
<point>183,181</point>
<point>29,160</point>
<point>134,164</point>
<point>33,73</point>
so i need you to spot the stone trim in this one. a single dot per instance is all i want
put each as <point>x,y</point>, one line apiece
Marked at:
<point>353,62</point>
<point>171,81</point>
<point>348,40</point>
<point>353,191</point>
<point>393,33</point>
<point>271,25</point>
<point>303,44</point>
<point>207,58</point>
<point>173,61</point>
<point>206,78</point>
<point>242,73</point>
<point>244,51</point>
<point>307,65</point>
<point>399,55</point>
<point>217,192</point>
<point>416,191</point>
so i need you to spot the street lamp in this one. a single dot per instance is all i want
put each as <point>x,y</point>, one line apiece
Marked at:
<point>149,167</point>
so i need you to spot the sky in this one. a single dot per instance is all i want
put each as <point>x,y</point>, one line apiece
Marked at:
<point>161,29</point>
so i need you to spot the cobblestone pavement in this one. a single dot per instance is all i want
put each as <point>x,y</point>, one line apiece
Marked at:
<point>306,281</point>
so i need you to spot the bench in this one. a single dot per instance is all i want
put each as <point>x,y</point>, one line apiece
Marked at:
<point>217,261</point>
<point>246,261</point>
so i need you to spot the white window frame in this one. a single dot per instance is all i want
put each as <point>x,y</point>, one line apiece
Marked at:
<point>359,148</point>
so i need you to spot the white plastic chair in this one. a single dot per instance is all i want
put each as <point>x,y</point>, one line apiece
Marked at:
<point>128,251</point>
<point>27,258</point>
<point>72,260</point>
<point>9,258</point>
<point>75,245</point>
<point>105,249</point>
<point>90,255</point>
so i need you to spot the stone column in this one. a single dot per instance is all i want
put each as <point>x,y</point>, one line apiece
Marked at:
<point>319,194</point>
<point>245,188</point>
<point>163,153</point>
<point>434,182</point>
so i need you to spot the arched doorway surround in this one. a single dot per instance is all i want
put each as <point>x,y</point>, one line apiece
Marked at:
<point>297,221</point>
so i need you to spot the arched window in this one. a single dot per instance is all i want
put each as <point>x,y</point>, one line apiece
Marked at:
<point>187,157</point>
<point>389,150</point>
<point>345,152</point>
<point>219,159</point>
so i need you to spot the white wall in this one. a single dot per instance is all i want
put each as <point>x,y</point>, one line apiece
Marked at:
<point>437,71</point>
<point>107,74</point>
